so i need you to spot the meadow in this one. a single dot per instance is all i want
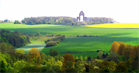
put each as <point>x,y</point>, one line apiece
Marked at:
<point>103,42</point>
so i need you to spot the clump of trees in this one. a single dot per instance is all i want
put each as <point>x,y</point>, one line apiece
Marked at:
<point>54,41</point>
<point>16,22</point>
<point>126,50</point>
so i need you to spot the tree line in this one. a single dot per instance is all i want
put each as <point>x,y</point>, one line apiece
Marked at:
<point>65,21</point>
<point>15,38</point>
<point>54,41</point>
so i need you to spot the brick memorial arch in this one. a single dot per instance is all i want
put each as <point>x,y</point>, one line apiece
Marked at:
<point>79,18</point>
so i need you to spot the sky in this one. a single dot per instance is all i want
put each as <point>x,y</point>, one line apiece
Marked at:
<point>123,11</point>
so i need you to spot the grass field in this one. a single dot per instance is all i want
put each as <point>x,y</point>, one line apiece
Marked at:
<point>89,43</point>
<point>103,42</point>
<point>116,25</point>
<point>70,30</point>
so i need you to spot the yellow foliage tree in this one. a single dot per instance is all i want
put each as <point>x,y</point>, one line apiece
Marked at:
<point>34,55</point>
<point>114,47</point>
<point>81,57</point>
<point>21,51</point>
<point>120,49</point>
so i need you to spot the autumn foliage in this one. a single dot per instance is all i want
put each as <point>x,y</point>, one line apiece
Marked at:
<point>120,49</point>
<point>114,47</point>
<point>127,50</point>
<point>34,55</point>
<point>68,57</point>
<point>134,53</point>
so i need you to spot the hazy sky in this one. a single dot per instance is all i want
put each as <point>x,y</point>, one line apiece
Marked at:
<point>124,11</point>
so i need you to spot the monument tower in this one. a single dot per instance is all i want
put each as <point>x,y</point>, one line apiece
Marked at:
<point>81,17</point>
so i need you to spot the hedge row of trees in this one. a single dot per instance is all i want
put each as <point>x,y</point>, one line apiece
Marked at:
<point>86,36</point>
<point>54,41</point>
<point>15,38</point>
<point>99,20</point>
<point>65,21</point>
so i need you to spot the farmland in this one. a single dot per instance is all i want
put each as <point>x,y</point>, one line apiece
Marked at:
<point>103,42</point>
<point>70,30</point>
<point>116,25</point>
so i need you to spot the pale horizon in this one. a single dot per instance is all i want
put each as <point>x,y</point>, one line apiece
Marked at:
<point>123,11</point>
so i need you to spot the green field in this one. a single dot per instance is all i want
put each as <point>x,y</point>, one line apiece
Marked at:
<point>89,43</point>
<point>70,30</point>
<point>103,42</point>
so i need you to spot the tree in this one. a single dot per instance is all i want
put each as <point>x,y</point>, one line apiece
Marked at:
<point>111,66</point>
<point>113,56</point>
<point>16,22</point>
<point>114,47</point>
<point>5,47</point>
<point>53,52</point>
<point>21,51</point>
<point>105,71</point>
<point>6,20</point>
<point>3,64</point>
<point>19,65</point>
<point>97,62</point>
<point>81,57</point>
<point>100,54</point>
<point>104,65</point>
<point>128,63</point>
<point>85,58</point>
<point>76,57</point>
<point>34,54</point>
<point>68,57</point>
<point>120,49</point>
<point>126,51</point>
<point>51,43</point>
<point>30,68</point>
<point>121,67</point>
<point>134,53</point>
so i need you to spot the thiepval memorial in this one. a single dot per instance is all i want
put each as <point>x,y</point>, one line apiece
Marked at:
<point>81,17</point>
